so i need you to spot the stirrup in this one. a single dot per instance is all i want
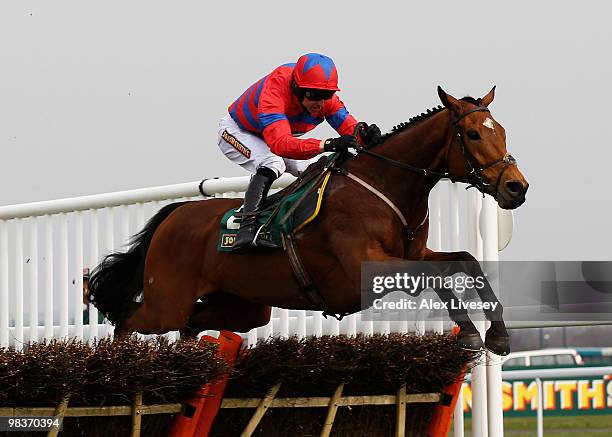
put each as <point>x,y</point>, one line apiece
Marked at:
<point>264,240</point>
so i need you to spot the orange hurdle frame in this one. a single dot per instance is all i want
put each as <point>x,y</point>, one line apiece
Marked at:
<point>198,414</point>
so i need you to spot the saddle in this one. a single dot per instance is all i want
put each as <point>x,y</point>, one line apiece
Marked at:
<point>287,211</point>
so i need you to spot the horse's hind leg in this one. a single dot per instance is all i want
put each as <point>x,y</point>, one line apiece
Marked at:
<point>160,312</point>
<point>222,311</point>
<point>120,326</point>
<point>148,320</point>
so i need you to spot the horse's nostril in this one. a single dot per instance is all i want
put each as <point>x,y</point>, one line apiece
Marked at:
<point>515,187</point>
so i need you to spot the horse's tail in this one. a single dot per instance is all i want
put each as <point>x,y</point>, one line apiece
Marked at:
<point>118,279</point>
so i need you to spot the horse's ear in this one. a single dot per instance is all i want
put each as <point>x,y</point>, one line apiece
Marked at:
<point>449,101</point>
<point>486,100</point>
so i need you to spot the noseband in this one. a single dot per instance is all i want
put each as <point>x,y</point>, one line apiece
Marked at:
<point>475,177</point>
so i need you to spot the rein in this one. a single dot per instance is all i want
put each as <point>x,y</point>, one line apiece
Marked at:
<point>409,233</point>
<point>475,178</point>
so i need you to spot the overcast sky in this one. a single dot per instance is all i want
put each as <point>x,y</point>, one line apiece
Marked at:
<point>114,95</point>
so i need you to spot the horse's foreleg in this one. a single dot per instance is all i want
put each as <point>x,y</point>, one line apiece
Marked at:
<point>497,339</point>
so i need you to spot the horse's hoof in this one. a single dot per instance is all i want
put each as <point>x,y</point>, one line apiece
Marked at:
<point>469,341</point>
<point>498,344</point>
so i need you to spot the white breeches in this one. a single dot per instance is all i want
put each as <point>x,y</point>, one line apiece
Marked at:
<point>251,152</point>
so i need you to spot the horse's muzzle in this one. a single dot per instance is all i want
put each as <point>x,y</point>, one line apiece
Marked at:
<point>511,194</point>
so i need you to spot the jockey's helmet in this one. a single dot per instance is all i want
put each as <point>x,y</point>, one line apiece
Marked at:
<point>317,72</point>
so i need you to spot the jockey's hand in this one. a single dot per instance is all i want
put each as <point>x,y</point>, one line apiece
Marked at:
<point>340,144</point>
<point>371,135</point>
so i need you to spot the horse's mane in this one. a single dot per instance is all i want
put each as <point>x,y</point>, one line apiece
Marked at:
<point>424,116</point>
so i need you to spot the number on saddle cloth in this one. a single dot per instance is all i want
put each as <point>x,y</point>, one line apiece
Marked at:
<point>277,206</point>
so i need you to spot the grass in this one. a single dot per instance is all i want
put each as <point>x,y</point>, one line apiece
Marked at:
<point>554,426</point>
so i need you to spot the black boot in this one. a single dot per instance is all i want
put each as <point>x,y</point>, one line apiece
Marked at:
<point>254,198</point>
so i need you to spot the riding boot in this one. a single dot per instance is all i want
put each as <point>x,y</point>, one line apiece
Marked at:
<point>254,198</point>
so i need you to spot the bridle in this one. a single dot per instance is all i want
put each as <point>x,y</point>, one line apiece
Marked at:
<point>475,177</point>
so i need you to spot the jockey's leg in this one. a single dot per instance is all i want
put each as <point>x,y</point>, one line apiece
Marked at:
<point>254,198</point>
<point>253,154</point>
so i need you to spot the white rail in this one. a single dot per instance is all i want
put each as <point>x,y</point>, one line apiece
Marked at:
<point>143,195</point>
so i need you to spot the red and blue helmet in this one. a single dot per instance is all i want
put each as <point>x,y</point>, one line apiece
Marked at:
<point>316,71</point>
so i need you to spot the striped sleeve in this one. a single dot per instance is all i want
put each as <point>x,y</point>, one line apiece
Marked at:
<point>339,118</point>
<point>282,143</point>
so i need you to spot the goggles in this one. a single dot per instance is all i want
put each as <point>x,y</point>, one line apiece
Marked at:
<point>314,94</point>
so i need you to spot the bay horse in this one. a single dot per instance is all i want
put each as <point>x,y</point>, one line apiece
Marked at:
<point>174,259</point>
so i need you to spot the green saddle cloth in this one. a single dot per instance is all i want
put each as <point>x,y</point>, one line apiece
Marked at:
<point>306,212</point>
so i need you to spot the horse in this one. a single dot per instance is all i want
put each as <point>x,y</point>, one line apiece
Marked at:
<point>188,285</point>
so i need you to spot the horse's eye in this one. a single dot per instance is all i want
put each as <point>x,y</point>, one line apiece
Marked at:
<point>473,135</point>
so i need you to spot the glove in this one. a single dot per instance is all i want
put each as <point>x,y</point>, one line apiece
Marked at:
<point>371,135</point>
<point>340,144</point>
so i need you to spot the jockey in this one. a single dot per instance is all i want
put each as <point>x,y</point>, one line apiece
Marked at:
<point>260,131</point>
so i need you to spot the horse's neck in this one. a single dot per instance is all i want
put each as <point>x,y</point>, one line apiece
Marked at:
<point>421,145</point>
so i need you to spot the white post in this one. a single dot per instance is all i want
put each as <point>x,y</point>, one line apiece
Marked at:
<point>4,285</point>
<point>419,323</point>
<point>479,392</point>
<point>351,329</point>
<point>385,327</point>
<point>540,421</point>
<point>403,326</point>
<point>140,220</point>
<point>494,395</point>
<point>435,219</point>
<point>110,230</point>
<point>301,324</point>
<point>48,290</point>
<point>458,418</point>
<point>367,327</point>
<point>124,217</point>
<point>19,285</point>
<point>252,337</point>
<point>109,234</point>
<point>64,286</point>
<point>495,412</point>
<point>284,322</point>
<point>78,286</point>
<point>268,330</point>
<point>334,325</point>
<point>453,199</point>
<point>458,415</point>
<point>435,241</point>
<point>93,241</point>
<point>33,335</point>
<point>317,324</point>
<point>479,378</point>
<point>473,213</point>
